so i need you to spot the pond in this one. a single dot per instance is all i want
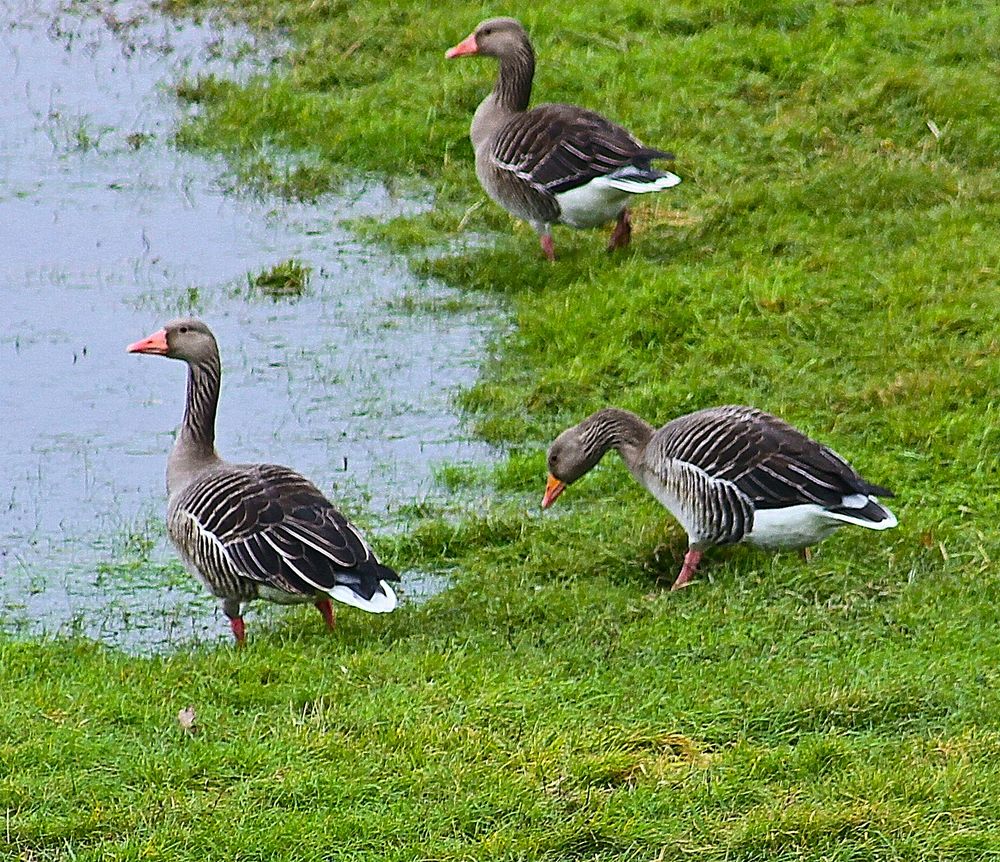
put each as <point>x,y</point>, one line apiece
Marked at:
<point>107,231</point>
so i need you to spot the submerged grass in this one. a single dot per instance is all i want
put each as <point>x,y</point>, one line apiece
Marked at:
<point>832,257</point>
<point>288,279</point>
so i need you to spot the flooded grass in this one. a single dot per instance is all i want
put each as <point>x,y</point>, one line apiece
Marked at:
<point>108,231</point>
<point>286,280</point>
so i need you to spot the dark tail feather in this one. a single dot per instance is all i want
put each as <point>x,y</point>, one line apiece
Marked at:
<point>387,574</point>
<point>876,490</point>
<point>872,512</point>
<point>366,580</point>
<point>647,154</point>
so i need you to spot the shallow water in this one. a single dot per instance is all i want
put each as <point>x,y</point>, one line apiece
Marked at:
<point>106,231</point>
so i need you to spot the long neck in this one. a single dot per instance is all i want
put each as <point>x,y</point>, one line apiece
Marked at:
<point>510,95</point>
<point>613,428</point>
<point>195,446</point>
<point>512,89</point>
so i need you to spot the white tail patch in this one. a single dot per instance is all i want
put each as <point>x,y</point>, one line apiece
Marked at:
<point>379,603</point>
<point>603,198</point>
<point>808,523</point>
<point>638,187</point>
<point>887,523</point>
<point>855,501</point>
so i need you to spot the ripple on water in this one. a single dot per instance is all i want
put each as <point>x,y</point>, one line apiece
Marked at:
<point>105,231</point>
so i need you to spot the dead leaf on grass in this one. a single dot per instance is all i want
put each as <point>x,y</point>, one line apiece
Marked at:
<point>186,719</point>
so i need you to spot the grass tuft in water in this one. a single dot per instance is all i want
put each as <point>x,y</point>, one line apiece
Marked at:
<point>288,279</point>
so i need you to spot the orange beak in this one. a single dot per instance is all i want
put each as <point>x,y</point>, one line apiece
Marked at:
<point>553,489</point>
<point>155,344</point>
<point>466,46</point>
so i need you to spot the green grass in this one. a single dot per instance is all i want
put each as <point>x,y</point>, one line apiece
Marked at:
<point>286,280</point>
<point>828,258</point>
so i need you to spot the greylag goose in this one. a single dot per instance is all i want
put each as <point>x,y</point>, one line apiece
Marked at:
<point>554,163</point>
<point>727,474</point>
<point>252,531</point>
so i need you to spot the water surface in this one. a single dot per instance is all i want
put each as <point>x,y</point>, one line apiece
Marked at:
<point>106,231</point>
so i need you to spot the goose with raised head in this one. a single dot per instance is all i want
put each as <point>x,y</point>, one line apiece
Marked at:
<point>251,531</point>
<point>554,163</point>
<point>727,474</point>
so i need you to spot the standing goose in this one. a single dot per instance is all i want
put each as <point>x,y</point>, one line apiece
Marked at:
<point>728,474</point>
<point>254,530</point>
<point>554,163</point>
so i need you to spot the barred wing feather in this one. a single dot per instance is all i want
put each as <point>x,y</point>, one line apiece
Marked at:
<point>276,528</point>
<point>768,460</point>
<point>560,147</point>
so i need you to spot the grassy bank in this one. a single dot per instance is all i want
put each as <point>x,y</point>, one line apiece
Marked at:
<point>832,257</point>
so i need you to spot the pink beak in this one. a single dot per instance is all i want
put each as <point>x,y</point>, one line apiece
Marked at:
<point>466,46</point>
<point>155,344</point>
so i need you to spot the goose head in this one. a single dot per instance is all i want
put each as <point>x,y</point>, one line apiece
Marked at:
<point>578,449</point>
<point>495,37</point>
<point>186,338</point>
<point>571,455</point>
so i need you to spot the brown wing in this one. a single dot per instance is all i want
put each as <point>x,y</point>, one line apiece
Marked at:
<point>276,528</point>
<point>768,460</point>
<point>559,147</point>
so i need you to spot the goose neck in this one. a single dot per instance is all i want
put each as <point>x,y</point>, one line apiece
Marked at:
<point>195,446</point>
<point>614,428</point>
<point>512,90</point>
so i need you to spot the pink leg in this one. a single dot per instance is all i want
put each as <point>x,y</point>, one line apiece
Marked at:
<point>807,555</point>
<point>691,560</point>
<point>548,246</point>
<point>325,607</point>
<point>239,630</point>
<point>621,236</point>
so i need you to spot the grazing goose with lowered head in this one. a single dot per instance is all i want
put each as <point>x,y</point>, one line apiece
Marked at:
<point>253,531</point>
<point>728,474</point>
<point>554,163</point>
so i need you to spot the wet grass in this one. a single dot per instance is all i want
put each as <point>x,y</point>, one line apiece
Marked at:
<point>74,133</point>
<point>288,279</point>
<point>831,257</point>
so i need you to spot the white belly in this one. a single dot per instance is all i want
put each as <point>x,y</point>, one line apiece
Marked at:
<point>791,527</point>
<point>591,205</point>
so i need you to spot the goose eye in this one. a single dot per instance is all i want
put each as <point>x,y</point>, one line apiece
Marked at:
<point>183,329</point>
